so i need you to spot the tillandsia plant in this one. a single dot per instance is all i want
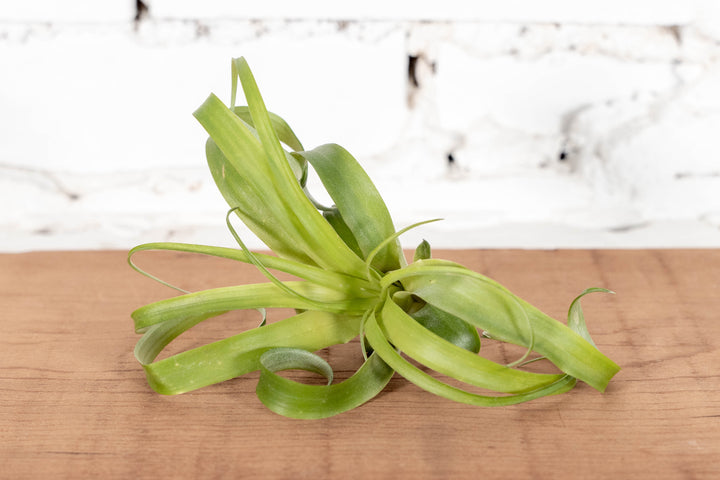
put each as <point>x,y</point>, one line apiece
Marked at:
<point>353,282</point>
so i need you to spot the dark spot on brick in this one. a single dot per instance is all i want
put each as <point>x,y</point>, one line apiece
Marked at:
<point>141,10</point>
<point>201,30</point>
<point>676,32</point>
<point>412,70</point>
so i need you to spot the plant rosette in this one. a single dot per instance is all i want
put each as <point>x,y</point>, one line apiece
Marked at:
<point>353,281</point>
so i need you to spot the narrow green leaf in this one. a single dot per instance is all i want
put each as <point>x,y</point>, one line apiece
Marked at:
<point>352,286</point>
<point>280,170</point>
<point>284,287</point>
<point>336,221</point>
<point>250,296</point>
<point>158,336</point>
<point>271,130</point>
<point>369,260</point>
<point>284,132</point>
<point>576,319</point>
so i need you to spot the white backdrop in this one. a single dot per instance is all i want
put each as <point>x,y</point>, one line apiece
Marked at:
<point>568,126</point>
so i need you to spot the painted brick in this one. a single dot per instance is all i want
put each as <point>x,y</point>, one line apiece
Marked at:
<point>67,11</point>
<point>122,100</point>
<point>534,93</point>
<point>608,11</point>
<point>98,147</point>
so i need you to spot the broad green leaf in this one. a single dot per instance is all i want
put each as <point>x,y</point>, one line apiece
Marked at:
<point>241,174</point>
<point>238,354</point>
<point>488,306</point>
<point>269,194</point>
<point>449,327</point>
<point>358,201</point>
<point>425,381</point>
<point>442,356</point>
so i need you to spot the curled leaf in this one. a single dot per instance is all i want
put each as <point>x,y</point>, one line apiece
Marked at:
<point>576,319</point>
<point>296,400</point>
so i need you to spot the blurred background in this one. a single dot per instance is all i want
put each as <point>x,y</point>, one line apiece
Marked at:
<point>524,124</point>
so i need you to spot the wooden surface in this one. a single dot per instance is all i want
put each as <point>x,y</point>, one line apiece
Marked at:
<point>74,403</point>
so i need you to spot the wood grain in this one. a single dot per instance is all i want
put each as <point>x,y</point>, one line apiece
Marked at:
<point>74,403</point>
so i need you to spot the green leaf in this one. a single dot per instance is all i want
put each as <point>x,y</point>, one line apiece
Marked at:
<point>296,400</point>
<point>383,348</point>
<point>358,201</point>
<point>251,296</point>
<point>390,240</point>
<point>576,319</point>
<point>241,174</point>
<point>286,358</point>
<point>256,178</point>
<point>422,252</point>
<point>442,356</point>
<point>448,327</point>
<point>351,286</point>
<point>489,306</point>
<point>334,218</point>
<point>237,355</point>
<point>284,132</point>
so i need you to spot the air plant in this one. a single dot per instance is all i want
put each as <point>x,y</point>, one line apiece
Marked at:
<point>353,282</point>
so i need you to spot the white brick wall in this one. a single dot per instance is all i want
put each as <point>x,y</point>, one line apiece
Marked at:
<point>568,126</point>
<point>67,11</point>
<point>644,12</point>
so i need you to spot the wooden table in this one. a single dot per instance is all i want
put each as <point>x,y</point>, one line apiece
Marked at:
<point>74,403</point>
